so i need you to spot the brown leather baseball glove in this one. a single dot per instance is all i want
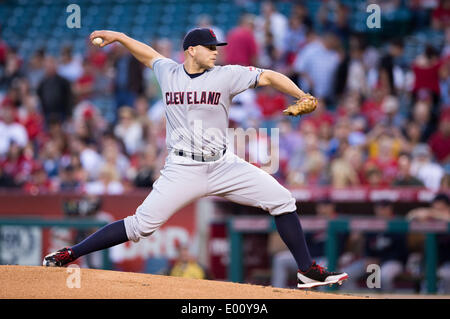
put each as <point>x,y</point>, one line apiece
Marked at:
<point>304,105</point>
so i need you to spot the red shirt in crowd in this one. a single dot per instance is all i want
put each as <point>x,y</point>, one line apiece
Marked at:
<point>389,168</point>
<point>3,50</point>
<point>33,123</point>
<point>318,118</point>
<point>440,141</point>
<point>440,145</point>
<point>372,112</point>
<point>427,77</point>
<point>242,48</point>
<point>270,104</point>
<point>85,84</point>
<point>442,15</point>
<point>98,59</point>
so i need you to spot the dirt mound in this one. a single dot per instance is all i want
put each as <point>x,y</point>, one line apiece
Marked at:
<point>29,282</point>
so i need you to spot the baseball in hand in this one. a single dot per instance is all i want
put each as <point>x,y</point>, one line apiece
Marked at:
<point>97,41</point>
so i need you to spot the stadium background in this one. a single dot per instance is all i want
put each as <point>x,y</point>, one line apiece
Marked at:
<point>82,133</point>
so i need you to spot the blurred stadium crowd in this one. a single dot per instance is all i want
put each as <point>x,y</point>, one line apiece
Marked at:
<point>93,121</point>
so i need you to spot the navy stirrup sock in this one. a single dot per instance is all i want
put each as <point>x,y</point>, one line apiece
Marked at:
<point>291,232</point>
<point>107,236</point>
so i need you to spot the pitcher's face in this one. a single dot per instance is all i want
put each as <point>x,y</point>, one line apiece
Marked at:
<point>205,55</point>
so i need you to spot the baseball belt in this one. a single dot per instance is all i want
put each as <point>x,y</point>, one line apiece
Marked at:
<point>201,157</point>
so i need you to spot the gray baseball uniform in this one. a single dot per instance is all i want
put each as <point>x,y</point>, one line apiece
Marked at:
<point>199,163</point>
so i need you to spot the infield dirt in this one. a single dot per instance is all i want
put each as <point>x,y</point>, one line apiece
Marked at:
<point>34,282</point>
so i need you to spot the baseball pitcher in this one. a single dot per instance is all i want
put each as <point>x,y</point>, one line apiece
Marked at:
<point>197,95</point>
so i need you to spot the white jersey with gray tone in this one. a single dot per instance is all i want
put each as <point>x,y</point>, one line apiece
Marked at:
<point>197,122</point>
<point>197,108</point>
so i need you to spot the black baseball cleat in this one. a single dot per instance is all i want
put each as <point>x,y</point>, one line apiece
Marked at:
<point>317,275</point>
<point>59,258</point>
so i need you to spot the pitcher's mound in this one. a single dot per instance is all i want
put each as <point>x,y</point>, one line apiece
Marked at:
<point>48,283</point>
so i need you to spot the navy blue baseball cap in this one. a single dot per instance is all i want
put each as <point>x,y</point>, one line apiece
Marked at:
<point>201,36</point>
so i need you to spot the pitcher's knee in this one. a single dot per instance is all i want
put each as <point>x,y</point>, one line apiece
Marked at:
<point>284,205</point>
<point>136,228</point>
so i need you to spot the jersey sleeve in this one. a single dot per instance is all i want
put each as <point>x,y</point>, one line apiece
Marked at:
<point>242,78</point>
<point>162,68</point>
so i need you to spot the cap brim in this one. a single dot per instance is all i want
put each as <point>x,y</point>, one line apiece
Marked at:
<point>216,43</point>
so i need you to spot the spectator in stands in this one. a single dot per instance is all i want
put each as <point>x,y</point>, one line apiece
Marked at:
<point>12,69</point>
<point>129,130</point>
<point>50,159</point>
<point>301,10</point>
<point>10,130</point>
<point>392,115</point>
<point>108,182</point>
<point>6,180</point>
<point>351,74</point>
<point>349,105</point>
<point>112,155</point>
<point>55,93</point>
<point>446,49</point>
<point>144,172</point>
<point>424,168</point>
<point>440,141</point>
<point>423,115</point>
<point>371,107</point>
<point>412,135</point>
<point>426,73</point>
<point>339,24</point>
<point>17,164</point>
<point>316,169</point>
<point>345,171</point>
<point>306,150</point>
<point>35,68</point>
<point>444,79</point>
<point>90,159</point>
<point>404,177</point>
<point>129,77</point>
<point>340,140</point>
<point>289,141</point>
<point>439,210</point>
<point>317,64</point>
<point>57,135</point>
<point>70,65</point>
<point>388,250</point>
<point>3,49</point>
<point>87,121</point>
<point>383,153</point>
<point>67,179</point>
<point>440,17</point>
<point>271,103</point>
<point>270,56</point>
<point>31,118</point>
<point>389,65</point>
<point>270,21</point>
<point>242,48</point>
<point>97,57</point>
<point>141,108</point>
<point>84,85</point>
<point>39,182</point>
<point>296,35</point>
<point>186,266</point>
<point>102,95</point>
